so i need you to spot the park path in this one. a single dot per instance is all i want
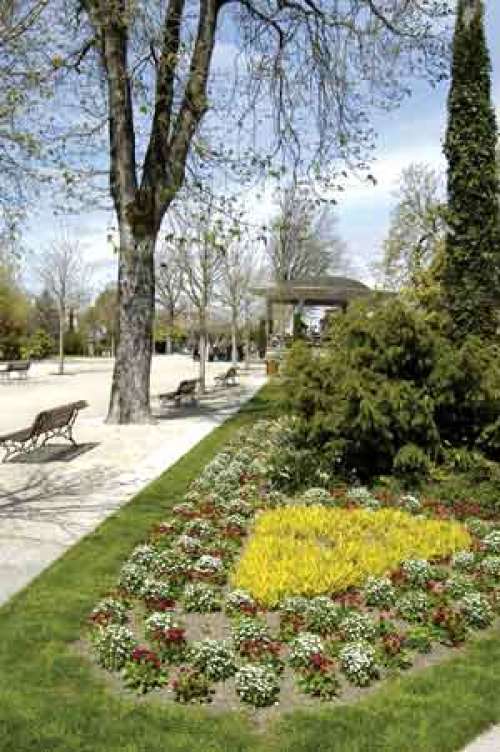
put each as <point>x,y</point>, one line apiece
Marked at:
<point>49,502</point>
<point>487,742</point>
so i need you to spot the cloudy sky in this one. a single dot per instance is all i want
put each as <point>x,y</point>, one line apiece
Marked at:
<point>412,133</point>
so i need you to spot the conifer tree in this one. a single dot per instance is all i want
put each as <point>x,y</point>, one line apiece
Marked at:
<point>471,268</point>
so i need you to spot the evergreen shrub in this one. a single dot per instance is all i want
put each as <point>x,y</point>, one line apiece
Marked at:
<point>389,393</point>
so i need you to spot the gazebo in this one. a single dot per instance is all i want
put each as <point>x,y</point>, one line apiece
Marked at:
<point>331,292</point>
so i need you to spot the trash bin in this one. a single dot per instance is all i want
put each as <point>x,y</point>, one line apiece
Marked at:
<point>272,367</point>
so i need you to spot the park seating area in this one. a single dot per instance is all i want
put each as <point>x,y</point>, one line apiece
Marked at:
<point>19,368</point>
<point>56,422</point>
<point>229,378</point>
<point>53,493</point>
<point>187,390</point>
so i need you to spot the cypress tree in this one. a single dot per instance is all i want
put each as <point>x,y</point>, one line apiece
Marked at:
<point>471,273</point>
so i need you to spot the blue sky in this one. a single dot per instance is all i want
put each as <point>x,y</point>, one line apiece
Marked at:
<point>412,133</point>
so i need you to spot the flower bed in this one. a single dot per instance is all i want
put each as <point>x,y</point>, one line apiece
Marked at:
<point>369,582</point>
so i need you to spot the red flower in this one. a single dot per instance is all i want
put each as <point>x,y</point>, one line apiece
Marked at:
<point>392,643</point>
<point>435,587</point>
<point>257,648</point>
<point>442,615</point>
<point>320,662</point>
<point>160,604</point>
<point>175,634</point>
<point>349,599</point>
<point>398,576</point>
<point>144,655</point>
<point>338,493</point>
<point>101,617</point>
<point>233,531</point>
<point>386,497</point>
<point>164,528</point>
<point>385,616</point>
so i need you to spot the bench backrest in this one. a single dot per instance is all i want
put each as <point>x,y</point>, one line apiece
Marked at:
<point>187,386</point>
<point>18,365</point>
<point>56,417</point>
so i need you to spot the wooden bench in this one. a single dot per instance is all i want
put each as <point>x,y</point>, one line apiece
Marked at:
<point>186,390</point>
<point>230,376</point>
<point>49,424</point>
<point>21,367</point>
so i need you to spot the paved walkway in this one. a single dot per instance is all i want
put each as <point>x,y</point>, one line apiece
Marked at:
<point>51,500</point>
<point>488,742</point>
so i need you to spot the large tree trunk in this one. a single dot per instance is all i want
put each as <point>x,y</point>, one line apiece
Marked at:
<point>129,401</point>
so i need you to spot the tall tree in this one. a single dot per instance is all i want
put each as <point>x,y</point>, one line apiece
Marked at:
<point>101,318</point>
<point>14,310</point>
<point>26,75</point>
<point>169,286</point>
<point>200,250</point>
<point>323,63</point>
<point>44,315</point>
<point>63,275</point>
<point>303,241</point>
<point>417,226</point>
<point>237,273</point>
<point>472,261</point>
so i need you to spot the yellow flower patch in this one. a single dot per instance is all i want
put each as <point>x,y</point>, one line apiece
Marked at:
<point>313,550</point>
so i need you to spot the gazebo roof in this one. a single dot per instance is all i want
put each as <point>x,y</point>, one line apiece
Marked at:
<point>323,290</point>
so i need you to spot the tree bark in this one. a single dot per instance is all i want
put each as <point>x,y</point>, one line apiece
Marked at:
<point>203,353</point>
<point>131,376</point>
<point>62,316</point>
<point>234,334</point>
<point>169,336</point>
<point>247,338</point>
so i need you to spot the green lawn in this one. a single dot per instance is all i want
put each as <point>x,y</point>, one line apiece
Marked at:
<point>52,701</point>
